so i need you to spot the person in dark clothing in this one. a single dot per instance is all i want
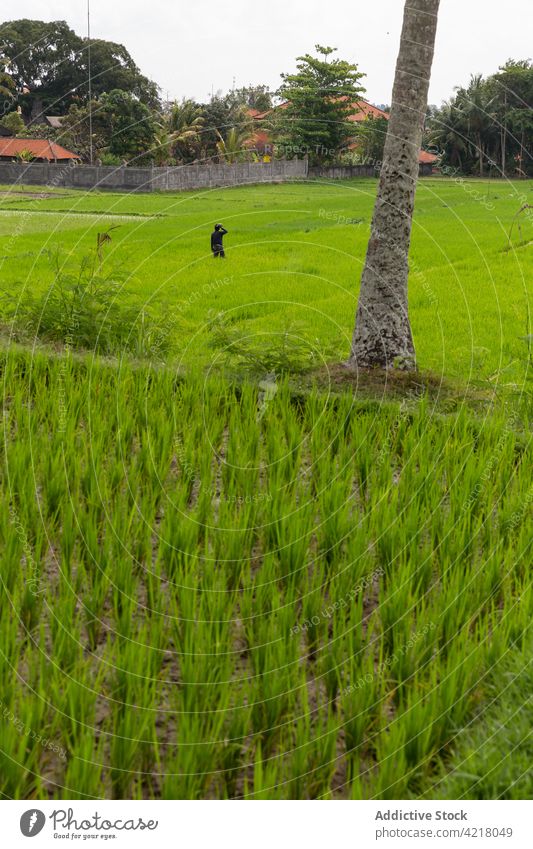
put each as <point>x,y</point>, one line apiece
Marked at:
<point>216,241</point>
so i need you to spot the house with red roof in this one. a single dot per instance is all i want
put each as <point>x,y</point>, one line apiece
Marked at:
<point>35,150</point>
<point>261,139</point>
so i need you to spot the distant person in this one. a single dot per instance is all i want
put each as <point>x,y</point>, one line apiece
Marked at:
<point>217,245</point>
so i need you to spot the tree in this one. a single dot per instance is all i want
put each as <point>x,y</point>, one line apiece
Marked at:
<point>488,121</point>
<point>476,105</point>
<point>132,126</point>
<point>56,67</point>
<point>256,97</point>
<point>382,335</point>
<point>319,98</point>
<point>185,122</point>
<point>162,149</point>
<point>75,129</point>
<point>220,115</point>
<point>14,123</point>
<point>513,87</point>
<point>50,67</point>
<point>112,67</point>
<point>447,131</point>
<point>371,135</point>
<point>7,86</point>
<point>233,148</point>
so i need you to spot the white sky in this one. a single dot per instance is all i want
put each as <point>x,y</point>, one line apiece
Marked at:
<point>191,46</point>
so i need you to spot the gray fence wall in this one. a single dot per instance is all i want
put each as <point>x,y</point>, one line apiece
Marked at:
<point>347,172</point>
<point>176,179</point>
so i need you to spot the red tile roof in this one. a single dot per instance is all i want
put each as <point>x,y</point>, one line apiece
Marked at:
<point>430,158</point>
<point>361,110</point>
<point>39,148</point>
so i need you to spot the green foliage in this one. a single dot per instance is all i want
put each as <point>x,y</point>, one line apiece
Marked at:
<point>287,352</point>
<point>112,67</point>
<point>56,67</point>
<point>132,127</point>
<point>256,97</point>
<point>25,155</point>
<point>14,123</point>
<point>320,96</point>
<point>7,84</point>
<point>110,159</point>
<point>221,115</point>
<point>184,123</point>
<point>74,133</point>
<point>232,148</point>
<point>370,140</point>
<point>89,310</point>
<point>492,757</point>
<point>169,548</point>
<point>488,124</point>
<point>51,68</point>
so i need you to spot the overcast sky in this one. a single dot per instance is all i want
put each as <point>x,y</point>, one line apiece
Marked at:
<point>191,47</point>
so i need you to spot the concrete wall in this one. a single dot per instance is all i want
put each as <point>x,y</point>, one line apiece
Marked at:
<point>178,178</point>
<point>342,172</point>
<point>347,172</point>
<point>174,179</point>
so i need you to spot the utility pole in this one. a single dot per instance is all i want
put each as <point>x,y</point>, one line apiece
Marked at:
<point>91,156</point>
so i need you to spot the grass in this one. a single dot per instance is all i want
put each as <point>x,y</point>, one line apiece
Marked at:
<point>492,757</point>
<point>275,585</point>
<point>294,263</point>
<point>210,596</point>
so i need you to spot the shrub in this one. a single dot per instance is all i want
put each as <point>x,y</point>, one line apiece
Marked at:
<point>89,310</point>
<point>257,354</point>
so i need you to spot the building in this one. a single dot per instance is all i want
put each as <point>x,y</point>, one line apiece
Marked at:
<point>361,110</point>
<point>35,150</point>
<point>54,121</point>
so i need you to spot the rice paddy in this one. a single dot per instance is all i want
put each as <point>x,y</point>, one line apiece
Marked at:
<point>221,587</point>
<point>294,258</point>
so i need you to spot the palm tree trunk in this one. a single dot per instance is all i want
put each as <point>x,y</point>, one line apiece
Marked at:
<point>382,335</point>
<point>480,151</point>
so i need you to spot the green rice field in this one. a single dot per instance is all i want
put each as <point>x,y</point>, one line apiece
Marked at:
<point>226,583</point>
<point>294,258</point>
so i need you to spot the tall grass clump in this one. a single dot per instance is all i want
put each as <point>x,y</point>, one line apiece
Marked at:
<point>89,309</point>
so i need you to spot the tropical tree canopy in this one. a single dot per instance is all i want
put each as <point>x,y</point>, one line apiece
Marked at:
<point>488,125</point>
<point>14,123</point>
<point>7,85</point>
<point>185,123</point>
<point>319,98</point>
<point>132,126</point>
<point>55,69</point>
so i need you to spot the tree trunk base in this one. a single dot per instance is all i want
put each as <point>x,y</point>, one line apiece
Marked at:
<point>405,363</point>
